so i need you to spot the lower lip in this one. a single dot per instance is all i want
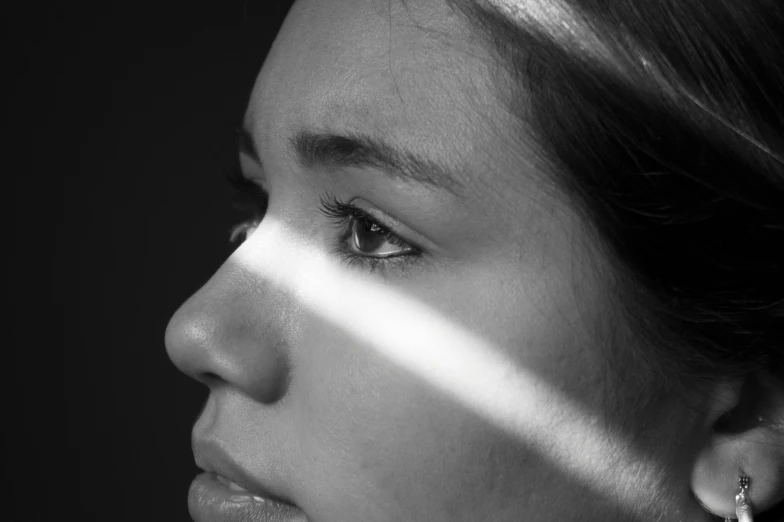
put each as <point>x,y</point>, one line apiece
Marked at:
<point>209,500</point>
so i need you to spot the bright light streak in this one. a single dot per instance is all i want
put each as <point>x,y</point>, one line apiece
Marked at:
<point>451,358</point>
<point>561,22</point>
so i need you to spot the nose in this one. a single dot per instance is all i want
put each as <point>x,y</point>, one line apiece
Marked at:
<point>233,330</point>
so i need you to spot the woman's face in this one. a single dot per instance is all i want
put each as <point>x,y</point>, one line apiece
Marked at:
<point>480,380</point>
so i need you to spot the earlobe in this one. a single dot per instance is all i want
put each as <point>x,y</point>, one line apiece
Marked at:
<point>754,454</point>
<point>747,441</point>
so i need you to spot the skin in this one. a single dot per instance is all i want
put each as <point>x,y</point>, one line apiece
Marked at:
<point>339,428</point>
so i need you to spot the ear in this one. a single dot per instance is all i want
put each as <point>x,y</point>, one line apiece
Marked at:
<point>747,439</point>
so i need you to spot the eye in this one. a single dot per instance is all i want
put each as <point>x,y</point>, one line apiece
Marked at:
<point>249,198</point>
<point>363,240</point>
<point>371,239</point>
<point>241,231</point>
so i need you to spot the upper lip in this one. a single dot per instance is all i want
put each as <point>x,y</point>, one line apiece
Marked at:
<point>211,457</point>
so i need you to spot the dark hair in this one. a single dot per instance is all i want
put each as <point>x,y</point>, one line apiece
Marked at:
<point>663,123</point>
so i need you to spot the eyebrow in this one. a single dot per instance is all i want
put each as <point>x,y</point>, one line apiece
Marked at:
<point>329,151</point>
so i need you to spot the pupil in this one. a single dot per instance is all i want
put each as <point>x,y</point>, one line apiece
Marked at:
<point>365,239</point>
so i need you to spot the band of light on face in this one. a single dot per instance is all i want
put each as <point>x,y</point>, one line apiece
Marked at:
<point>451,358</point>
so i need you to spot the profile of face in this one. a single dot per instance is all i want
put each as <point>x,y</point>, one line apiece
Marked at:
<point>419,327</point>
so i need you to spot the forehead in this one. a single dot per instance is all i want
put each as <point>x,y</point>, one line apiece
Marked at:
<point>414,73</point>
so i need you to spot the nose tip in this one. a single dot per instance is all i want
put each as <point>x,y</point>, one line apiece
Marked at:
<point>224,333</point>
<point>181,340</point>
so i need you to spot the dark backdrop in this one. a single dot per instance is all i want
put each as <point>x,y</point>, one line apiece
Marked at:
<point>119,125</point>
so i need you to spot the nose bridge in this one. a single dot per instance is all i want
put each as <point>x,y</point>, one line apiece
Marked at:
<point>233,329</point>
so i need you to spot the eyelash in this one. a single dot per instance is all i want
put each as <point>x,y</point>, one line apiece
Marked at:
<point>249,198</point>
<point>345,215</point>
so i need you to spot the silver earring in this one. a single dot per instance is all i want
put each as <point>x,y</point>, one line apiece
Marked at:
<point>742,501</point>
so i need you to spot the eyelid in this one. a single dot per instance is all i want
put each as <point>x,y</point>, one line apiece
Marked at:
<point>395,226</point>
<point>252,170</point>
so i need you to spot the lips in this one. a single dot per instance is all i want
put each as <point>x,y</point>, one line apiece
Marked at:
<point>211,500</point>
<point>210,457</point>
<point>232,485</point>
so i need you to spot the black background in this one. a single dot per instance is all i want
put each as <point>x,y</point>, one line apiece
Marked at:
<point>120,122</point>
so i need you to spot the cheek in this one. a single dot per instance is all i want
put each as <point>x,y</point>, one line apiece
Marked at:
<point>403,445</point>
<point>403,448</point>
<point>537,321</point>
